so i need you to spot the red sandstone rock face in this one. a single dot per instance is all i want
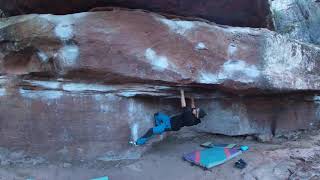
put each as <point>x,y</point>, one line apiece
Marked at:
<point>253,13</point>
<point>83,85</point>
<point>134,46</point>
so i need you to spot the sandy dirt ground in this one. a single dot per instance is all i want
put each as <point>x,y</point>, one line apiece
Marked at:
<point>291,156</point>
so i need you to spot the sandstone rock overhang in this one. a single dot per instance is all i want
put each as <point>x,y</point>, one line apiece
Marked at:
<point>251,13</point>
<point>123,46</point>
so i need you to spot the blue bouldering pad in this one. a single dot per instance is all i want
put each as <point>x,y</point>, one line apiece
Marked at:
<point>101,178</point>
<point>211,157</point>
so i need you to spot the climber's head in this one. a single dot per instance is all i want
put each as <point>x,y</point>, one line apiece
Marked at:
<point>199,113</point>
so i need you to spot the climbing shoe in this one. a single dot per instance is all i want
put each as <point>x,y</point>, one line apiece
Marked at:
<point>240,164</point>
<point>141,141</point>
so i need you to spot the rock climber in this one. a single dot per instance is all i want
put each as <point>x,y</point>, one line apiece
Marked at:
<point>189,116</point>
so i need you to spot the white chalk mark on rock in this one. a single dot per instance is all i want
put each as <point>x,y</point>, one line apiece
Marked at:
<point>134,131</point>
<point>64,31</point>
<point>159,62</point>
<point>236,70</point>
<point>209,78</point>
<point>42,56</point>
<point>64,24</point>
<point>232,49</point>
<point>177,26</point>
<point>231,67</point>
<point>69,54</point>
<point>201,46</point>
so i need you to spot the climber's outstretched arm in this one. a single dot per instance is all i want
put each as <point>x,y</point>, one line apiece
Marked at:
<point>183,99</point>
